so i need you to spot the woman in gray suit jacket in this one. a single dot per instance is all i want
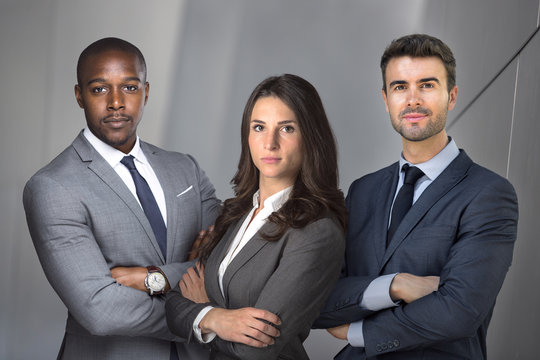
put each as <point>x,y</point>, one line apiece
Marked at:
<point>278,246</point>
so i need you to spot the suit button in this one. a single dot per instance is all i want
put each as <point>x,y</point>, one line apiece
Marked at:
<point>390,344</point>
<point>384,346</point>
<point>378,348</point>
<point>396,343</point>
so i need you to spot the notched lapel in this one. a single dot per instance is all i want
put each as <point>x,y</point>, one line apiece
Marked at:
<point>387,189</point>
<point>173,183</point>
<point>213,263</point>
<point>106,173</point>
<point>446,181</point>
<point>253,246</point>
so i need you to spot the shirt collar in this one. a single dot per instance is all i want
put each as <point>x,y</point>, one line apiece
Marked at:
<point>110,154</point>
<point>274,202</point>
<point>436,165</point>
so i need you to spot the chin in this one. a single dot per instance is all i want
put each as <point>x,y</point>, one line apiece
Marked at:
<point>115,142</point>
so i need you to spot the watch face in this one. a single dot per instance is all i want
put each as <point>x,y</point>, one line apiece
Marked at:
<point>156,281</point>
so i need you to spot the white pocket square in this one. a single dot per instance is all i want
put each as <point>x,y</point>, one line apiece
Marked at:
<point>185,191</point>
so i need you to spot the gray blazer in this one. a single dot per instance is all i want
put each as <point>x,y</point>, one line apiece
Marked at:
<point>84,221</point>
<point>290,277</point>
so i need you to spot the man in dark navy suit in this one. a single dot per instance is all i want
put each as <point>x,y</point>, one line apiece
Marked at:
<point>430,238</point>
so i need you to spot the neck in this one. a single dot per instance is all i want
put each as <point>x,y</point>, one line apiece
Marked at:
<point>269,188</point>
<point>418,152</point>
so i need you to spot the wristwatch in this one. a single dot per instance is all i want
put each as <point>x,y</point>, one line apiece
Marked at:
<point>155,281</point>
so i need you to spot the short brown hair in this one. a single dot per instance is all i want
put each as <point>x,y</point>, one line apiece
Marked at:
<point>420,45</point>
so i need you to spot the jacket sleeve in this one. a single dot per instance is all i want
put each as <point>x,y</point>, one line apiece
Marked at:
<point>296,291</point>
<point>343,304</point>
<point>60,227</point>
<point>469,282</point>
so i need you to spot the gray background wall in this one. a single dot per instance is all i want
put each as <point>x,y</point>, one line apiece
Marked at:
<point>205,57</point>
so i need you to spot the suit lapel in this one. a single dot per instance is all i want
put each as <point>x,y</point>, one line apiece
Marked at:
<point>253,246</point>
<point>168,178</point>
<point>448,179</point>
<point>387,188</point>
<point>106,173</point>
<point>212,266</point>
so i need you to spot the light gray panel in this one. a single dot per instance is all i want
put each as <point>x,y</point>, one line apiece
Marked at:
<point>516,322</point>
<point>484,131</point>
<point>26,300</point>
<point>484,35</point>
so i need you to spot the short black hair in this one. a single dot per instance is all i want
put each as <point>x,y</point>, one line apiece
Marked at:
<point>420,45</point>
<point>108,44</point>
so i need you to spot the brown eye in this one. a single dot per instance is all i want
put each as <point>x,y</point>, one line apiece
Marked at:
<point>287,129</point>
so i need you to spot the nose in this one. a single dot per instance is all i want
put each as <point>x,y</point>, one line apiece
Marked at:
<point>115,100</point>
<point>414,97</point>
<point>271,140</point>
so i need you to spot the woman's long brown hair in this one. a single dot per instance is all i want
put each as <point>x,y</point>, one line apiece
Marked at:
<point>315,193</point>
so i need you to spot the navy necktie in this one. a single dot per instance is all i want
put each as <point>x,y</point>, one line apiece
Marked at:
<point>404,199</point>
<point>149,204</point>
<point>151,209</point>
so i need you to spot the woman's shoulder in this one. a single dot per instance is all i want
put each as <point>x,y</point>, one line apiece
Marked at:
<point>325,230</point>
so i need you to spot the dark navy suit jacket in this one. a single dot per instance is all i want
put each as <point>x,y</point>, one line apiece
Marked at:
<point>462,228</point>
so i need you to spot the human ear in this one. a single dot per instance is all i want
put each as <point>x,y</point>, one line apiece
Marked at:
<point>78,96</point>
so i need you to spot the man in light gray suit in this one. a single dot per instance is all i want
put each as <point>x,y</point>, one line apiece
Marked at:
<point>113,232</point>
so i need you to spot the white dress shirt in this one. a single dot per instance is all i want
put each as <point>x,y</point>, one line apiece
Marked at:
<point>113,157</point>
<point>377,294</point>
<point>249,228</point>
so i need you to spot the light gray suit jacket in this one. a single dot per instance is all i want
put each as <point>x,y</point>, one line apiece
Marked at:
<point>290,277</point>
<point>84,221</point>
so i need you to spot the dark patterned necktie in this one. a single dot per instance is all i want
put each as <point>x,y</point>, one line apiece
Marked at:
<point>404,199</point>
<point>149,204</point>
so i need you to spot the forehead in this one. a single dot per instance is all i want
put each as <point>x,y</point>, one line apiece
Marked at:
<point>112,62</point>
<point>410,69</point>
<point>271,105</point>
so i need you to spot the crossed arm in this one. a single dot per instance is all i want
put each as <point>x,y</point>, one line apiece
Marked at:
<point>281,300</point>
<point>62,232</point>
<point>69,237</point>
<point>135,276</point>
<point>468,285</point>
<point>404,287</point>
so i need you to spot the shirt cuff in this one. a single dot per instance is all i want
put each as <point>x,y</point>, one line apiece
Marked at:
<point>377,294</point>
<point>206,338</point>
<point>355,336</point>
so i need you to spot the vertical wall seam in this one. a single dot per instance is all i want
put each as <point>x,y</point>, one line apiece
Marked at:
<point>538,18</point>
<point>513,117</point>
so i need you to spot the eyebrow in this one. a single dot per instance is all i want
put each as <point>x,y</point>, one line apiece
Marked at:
<point>429,79</point>
<point>423,80</point>
<point>279,122</point>
<point>398,82</point>
<point>102,80</point>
